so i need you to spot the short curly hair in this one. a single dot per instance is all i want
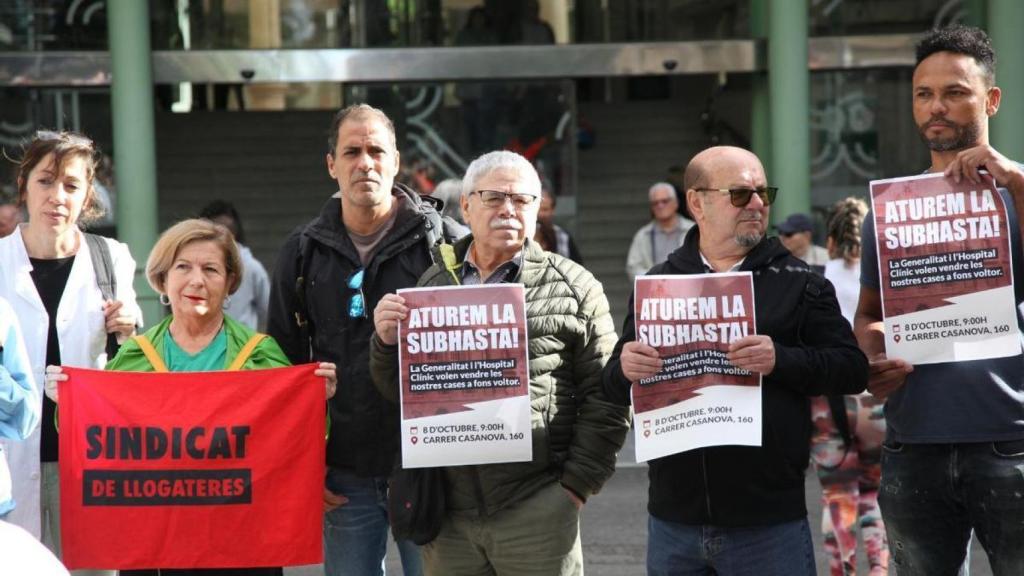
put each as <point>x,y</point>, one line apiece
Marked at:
<point>960,39</point>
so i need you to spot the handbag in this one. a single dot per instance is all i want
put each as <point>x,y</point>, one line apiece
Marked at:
<point>416,503</point>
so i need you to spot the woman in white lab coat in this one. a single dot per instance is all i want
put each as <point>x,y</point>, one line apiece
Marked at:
<point>47,275</point>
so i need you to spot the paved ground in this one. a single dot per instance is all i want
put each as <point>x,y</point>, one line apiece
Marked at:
<point>615,530</point>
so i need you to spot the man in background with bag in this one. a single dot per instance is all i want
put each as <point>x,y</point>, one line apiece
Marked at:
<point>522,517</point>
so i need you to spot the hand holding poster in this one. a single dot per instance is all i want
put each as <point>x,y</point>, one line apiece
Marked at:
<point>464,376</point>
<point>699,398</point>
<point>191,469</point>
<point>944,269</point>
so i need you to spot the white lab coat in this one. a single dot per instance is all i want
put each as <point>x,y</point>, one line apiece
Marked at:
<point>80,331</point>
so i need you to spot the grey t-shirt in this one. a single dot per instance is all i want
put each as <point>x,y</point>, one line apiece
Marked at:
<point>664,243</point>
<point>366,244</point>
<point>976,401</point>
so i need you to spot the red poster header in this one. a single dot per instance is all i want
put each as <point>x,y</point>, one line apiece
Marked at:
<point>938,240</point>
<point>462,345</point>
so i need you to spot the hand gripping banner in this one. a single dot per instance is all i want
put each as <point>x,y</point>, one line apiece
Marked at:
<point>191,469</point>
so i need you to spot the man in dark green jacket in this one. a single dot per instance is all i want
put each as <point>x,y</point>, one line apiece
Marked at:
<point>523,517</point>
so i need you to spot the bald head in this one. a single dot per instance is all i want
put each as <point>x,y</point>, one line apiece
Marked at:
<point>705,163</point>
<point>722,185</point>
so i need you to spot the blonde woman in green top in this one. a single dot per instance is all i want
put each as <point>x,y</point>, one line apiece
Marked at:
<point>194,266</point>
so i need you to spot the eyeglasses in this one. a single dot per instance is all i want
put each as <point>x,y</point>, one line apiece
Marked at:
<point>356,303</point>
<point>740,197</point>
<point>495,198</point>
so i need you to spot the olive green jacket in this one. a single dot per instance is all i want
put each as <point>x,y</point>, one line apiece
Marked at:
<point>576,431</point>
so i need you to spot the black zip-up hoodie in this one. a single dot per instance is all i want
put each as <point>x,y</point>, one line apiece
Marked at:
<point>364,427</point>
<point>815,353</point>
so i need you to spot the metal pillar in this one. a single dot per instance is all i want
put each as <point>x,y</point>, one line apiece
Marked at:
<point>975,13</point>
<point>760,127</point>
<point>1005,21</point>
<point>131,105</point>
<point>789,104</point>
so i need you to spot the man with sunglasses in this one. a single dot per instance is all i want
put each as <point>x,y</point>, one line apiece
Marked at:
<point>523,517</point>
<point>654,241</point>
<point>953,457</point>
<point>796,233</point>
<point>372,237</point>
<point>740,510</point>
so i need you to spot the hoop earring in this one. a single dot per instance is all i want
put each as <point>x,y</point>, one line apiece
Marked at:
<point>164,299</point>
<point>227,302</point>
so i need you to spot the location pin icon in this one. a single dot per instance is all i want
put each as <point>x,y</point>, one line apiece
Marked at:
<point>415,440</point>
<point>647,433</point>
<point>896,338</point>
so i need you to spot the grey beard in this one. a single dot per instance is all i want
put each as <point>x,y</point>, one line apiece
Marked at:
<point>964,137</point>
<point>748,240</point>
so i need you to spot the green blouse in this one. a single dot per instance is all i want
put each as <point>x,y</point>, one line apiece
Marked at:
<point>267,354</point>
<point>210,358</point>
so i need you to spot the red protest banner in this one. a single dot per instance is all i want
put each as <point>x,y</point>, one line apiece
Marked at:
<point>191,469</point>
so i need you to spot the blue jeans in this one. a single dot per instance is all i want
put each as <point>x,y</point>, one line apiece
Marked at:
<point>355,534</point>
<point>933,495</point>
<point>687,550</point>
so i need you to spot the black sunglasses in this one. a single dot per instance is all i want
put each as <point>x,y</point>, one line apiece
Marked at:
<point>740,197</point>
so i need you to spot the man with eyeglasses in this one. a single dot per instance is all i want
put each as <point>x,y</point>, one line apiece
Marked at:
<point>654,241</point>
<point>953,457</point>
<point>372,237</point>
<point>523,517</point>
<point>740,510</point>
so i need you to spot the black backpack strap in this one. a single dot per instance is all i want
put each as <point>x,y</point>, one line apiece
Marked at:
<point>305,254</point>
<point>103,268</point>
<point>439,229</point>
<point>102,265</point>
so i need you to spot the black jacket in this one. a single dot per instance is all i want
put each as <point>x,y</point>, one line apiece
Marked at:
<point>364,427</point>
<point>815,353</point>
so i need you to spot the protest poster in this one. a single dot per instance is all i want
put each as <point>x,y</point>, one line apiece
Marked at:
<point>464,376</point>
<point>698,398</point>
<point>945,269</point>
<point>191,469</point>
